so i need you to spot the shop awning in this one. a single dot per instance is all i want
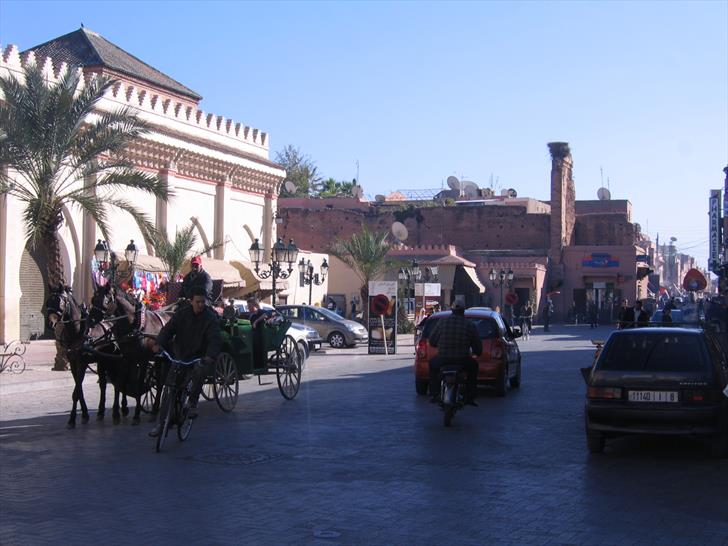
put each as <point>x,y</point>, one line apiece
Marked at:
<point>474,277</point>
<point>222,270</point>
<point>148,264</point>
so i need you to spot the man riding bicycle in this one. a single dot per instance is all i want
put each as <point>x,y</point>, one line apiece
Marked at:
<point>194,331</point>
<point>455,337</point>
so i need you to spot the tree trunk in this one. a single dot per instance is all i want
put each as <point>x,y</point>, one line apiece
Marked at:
<point>364,292</point>
<point>56,279</point>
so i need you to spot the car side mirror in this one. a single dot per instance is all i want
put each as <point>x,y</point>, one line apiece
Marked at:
<point>586,373</point>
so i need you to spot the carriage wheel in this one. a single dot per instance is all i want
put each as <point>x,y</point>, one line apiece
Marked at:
<point>288,368</point>
<point>152,390</point>
<point>225,386</point>
<point>208,391</point>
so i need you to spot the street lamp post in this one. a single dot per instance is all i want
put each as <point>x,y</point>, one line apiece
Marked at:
<point>280,255</point>
<point>309,277</point>
<point>410,275</point>
<point>501,278</point>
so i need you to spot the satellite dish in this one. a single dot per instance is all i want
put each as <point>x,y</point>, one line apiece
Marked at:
<point>290,187</point>
<point>512,193</point>
<point>379,198</point>
<point>604,194</point>
<point>673,239</point>
<point>486,192</point>
<point>453,183</point>
<point>357,191</point>
<point>471,191</point>
<point>504,192</point>
<point>399,230</point>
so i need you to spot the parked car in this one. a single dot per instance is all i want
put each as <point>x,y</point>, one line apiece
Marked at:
<point>500,363</point>
<point>679,317</point>
<point>666,381</point>
<point>308,338</point>
<point>336,330</point>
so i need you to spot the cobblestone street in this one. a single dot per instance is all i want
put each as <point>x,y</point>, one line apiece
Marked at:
<point>358,458</point>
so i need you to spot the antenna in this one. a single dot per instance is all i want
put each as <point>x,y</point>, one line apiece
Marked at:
<point>601,175</point>
<point>399,230</point>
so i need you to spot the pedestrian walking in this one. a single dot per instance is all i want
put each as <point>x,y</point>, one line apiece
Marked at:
<point>548,310</point>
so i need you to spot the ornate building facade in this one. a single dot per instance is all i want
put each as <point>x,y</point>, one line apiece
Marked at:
<point>217,169</point>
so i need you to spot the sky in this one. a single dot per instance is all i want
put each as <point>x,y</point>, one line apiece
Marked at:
<point>409,93</point>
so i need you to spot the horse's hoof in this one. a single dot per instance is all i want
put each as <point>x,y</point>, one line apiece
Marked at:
<point>70,425</point>
<point>84,419</point>
<point>125,411</point>
<point>135,421</point>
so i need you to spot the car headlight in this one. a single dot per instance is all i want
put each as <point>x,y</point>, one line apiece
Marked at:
<point>311,334</point>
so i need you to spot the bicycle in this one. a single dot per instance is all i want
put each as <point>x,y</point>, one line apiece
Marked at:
<point>175,407</point>
<point>525,324</point>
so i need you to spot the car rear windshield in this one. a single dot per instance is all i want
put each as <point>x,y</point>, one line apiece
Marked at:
<point>487,328</point>
<point>667,352</point>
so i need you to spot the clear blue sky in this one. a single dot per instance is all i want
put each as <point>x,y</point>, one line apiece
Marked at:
<point>417,91</point>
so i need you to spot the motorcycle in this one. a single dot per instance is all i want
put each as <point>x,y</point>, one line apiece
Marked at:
<point>452,387</point>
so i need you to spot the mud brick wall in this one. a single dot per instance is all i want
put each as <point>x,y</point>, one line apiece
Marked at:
<point>604,229</point>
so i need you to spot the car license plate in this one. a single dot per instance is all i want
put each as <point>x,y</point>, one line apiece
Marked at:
<point>653,396</point>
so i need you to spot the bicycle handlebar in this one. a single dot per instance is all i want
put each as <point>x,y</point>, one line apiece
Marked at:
<point>166,355</point>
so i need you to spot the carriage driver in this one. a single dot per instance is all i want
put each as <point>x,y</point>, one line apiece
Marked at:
<point>196,277</point>
<point>194,332</point>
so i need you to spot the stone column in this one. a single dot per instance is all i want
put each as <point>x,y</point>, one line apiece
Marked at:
<point>88,243</point>
<point>166,175</point>
<point>563,218</point>
<point>222,196</point>
<point>269,229</point>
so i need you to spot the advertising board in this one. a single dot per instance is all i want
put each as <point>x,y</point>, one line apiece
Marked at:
<point>382,317</point>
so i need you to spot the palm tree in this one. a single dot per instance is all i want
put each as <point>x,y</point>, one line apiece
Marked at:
<point>173,252</point>
<point>52,136</point>
<point>366,253</point>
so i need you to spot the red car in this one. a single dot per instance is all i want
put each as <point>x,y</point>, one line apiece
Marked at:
<point>500,363</point>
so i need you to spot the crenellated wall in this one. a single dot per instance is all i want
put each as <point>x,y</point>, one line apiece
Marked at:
<point>154,105</point>
<point>465,227</point>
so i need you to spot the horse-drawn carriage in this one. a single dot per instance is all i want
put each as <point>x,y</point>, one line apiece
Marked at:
<point>115,332</point>
<point>281,356</point>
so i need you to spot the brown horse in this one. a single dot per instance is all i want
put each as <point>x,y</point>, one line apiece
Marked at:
<point>75,332</point>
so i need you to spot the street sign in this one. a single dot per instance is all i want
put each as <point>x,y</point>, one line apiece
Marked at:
<point>382,317</point>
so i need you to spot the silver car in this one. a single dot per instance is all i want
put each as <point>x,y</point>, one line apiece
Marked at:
<point>338,331</point>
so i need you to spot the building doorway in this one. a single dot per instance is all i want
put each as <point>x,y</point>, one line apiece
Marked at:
<point>34,293</point>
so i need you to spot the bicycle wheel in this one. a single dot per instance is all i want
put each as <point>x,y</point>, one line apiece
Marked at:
<point>184,425</point>
<point>167,411</point>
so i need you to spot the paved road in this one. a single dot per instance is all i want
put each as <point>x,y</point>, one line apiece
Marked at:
<point>358,458</point>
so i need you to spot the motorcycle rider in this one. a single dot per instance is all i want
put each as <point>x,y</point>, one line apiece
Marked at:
<point>455,337</point>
